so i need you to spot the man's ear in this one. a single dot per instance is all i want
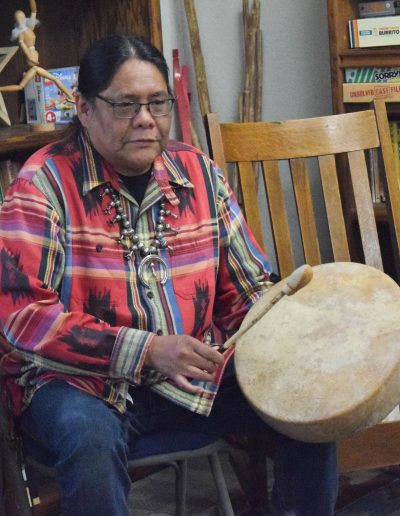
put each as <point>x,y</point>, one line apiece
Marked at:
<point>83,109</point>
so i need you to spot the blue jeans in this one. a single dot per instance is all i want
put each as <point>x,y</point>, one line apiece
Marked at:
<point>89,444</point>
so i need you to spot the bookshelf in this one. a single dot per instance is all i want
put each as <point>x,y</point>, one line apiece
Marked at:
<point>342,57</point>
<point>19,138</point>
<point>66,30</point>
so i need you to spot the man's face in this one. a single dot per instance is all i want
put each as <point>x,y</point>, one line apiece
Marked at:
<point>130,145</point>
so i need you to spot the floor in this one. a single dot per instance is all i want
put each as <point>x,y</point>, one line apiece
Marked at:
<point>370,493</point>
<point>155,496</point>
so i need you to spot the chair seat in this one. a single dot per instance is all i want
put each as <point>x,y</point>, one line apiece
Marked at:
<point>152,453</point>
<point>171,443</point>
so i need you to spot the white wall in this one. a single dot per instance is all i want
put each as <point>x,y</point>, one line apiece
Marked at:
<point>296,58</point>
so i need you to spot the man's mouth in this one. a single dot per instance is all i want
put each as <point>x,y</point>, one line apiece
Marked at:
<point>143,141</point>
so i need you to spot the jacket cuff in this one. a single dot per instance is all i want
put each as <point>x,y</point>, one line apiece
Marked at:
<point>128,354</point>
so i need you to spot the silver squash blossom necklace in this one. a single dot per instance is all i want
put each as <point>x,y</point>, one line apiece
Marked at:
<point>151,266</point>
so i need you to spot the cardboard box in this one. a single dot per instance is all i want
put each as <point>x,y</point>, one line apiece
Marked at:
<point>45,103</point>
<point>367,92</point>
<point>378,8</point>
<point>371,74</point>
<point>374,32</point>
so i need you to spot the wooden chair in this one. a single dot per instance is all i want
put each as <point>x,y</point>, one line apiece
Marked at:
<point>330,140</point>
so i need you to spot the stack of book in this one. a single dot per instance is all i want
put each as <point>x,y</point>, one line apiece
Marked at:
<point>8,172</point>
<point>367,84</point>
<point>375,165</point>
<point>377,26</point>
<point>395,138</point>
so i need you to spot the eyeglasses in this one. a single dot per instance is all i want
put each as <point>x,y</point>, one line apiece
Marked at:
<point>157,107</point>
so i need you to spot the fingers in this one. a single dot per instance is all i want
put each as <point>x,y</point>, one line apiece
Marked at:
<point>209,353</point>
<point>184,384</point>
<point>183,357</point>
<point>198,362</point>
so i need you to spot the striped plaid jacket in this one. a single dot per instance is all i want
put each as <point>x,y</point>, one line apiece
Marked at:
<point>71,305</point>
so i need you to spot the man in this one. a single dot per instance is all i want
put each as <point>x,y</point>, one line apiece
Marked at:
<point>122,253</point>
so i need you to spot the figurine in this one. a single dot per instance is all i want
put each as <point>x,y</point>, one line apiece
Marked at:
<point>25,34</point>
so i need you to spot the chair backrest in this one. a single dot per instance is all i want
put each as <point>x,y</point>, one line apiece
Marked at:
<point>340,144</point>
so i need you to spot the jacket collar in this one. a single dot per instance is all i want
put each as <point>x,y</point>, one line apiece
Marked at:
<point>166,174</point>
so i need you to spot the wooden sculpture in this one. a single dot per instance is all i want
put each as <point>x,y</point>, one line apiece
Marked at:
<point>24,33</point>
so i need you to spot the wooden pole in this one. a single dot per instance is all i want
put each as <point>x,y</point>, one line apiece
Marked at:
<point>259,78</point>
<point>250,98</point>
<point>201,79</point>
<point>250,109</point>
<point>245,95</point>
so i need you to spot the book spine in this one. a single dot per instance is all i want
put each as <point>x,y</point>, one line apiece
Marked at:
<point>394,136</point>
<point>372,74</point>
<point>351,33</point>
<point>378,8</point>
<point>374,32</point>
<point>367,92</point>
<point>8,172</point>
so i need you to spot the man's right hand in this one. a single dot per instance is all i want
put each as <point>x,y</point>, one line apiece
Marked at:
<point>181,357</point>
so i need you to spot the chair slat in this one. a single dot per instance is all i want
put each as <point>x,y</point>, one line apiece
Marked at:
<point>365,210</point>
<point>299,138</point>
<point>279,218</point>
<point>305,210</point>
<point>250,202</point>
<point>334,211</point>
<point>390,179</point>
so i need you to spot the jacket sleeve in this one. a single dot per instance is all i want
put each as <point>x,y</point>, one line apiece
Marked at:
<point>244,268</point>
<point>34,324</point>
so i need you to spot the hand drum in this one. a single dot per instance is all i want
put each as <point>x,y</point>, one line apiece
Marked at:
<point>323,363</point>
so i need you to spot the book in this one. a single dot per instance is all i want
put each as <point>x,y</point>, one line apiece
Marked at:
<point>372,74</point>
<point>373,175</point>
<point>394,137</point>
<point>367,92</point>
<point>8,172</point>
<point>374,164</point>
<point>44,101</point>
<point>378,8</point>
<point>374,32</point>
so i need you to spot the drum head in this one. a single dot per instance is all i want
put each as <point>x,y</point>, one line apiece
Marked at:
<point>324,363</point>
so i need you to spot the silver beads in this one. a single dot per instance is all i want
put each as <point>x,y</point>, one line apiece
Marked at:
<point>128,237</point>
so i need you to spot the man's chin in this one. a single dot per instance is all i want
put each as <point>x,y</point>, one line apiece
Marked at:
<point>137,166</point>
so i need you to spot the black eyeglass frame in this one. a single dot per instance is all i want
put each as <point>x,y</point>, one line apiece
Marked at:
<point>170,100</point>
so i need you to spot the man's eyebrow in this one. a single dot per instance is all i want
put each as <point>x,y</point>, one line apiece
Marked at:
<point>134,98</point>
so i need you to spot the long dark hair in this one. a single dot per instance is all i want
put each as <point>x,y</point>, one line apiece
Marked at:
<point>103,59</point>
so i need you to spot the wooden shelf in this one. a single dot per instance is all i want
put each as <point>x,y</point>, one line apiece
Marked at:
<point>368,57</point>
<point>21,138</point>
<point>342,57</point>
<point>68,28</point>
<point>380,212</point>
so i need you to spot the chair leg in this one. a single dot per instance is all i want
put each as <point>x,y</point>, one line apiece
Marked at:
<point>14,494</point>
<point>181,487</point>
<point>251,470</point>
<point>223,495</point>
<point>2,509</point>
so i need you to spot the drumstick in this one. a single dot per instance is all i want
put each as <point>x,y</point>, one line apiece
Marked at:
<point>297,280</point>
